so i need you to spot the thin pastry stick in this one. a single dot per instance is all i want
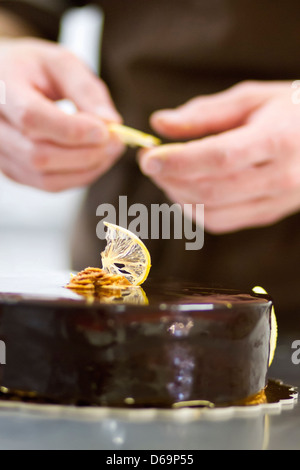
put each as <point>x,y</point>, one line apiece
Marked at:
<point>133,137</point>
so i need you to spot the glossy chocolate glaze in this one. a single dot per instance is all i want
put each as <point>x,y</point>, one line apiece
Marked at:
<point>184,343</point>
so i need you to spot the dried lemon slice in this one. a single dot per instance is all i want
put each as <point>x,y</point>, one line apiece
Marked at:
<point>274,326</point>
<point>126,255</point>
<point>133,295</point>
<point>133,137</point>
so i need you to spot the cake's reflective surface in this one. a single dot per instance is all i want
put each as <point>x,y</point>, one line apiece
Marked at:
<point>185,343</point>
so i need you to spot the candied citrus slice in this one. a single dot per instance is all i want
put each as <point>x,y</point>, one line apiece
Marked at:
<point>126,255</point>
<point>133,295</point>
<point>274,326</point>
<point>133,137</point>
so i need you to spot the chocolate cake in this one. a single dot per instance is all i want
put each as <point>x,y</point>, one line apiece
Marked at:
<point>166,345</point>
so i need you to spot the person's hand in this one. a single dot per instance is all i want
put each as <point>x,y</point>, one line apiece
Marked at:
<point>246,169</point>
<point>40,145</point>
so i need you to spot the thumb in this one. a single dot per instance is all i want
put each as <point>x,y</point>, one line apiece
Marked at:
<point>211,114</point>
<point>76,82</point>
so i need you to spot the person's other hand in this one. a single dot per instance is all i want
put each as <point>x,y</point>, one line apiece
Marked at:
<point>40,145</point>
<point>246,167</point>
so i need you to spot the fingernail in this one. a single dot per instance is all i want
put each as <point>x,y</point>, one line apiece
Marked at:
<point>163,116</point>
<point>152,166</point>
<point>108,114</point>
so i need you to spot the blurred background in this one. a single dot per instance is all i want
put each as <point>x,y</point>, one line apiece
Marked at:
<point>35,226</point>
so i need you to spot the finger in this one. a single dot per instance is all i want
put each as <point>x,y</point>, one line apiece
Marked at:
<point>12,141</point>
<point>50,182</point>
<point>76,82</point>
<point>255,214</point>
<point>213,113</point>
<point>253,183</point>
<point>15,172</point>
<point>259,213</point>
<point>215,156</point>
<point>39,118</point>
<point>48,157</point>
<point>60,182</point>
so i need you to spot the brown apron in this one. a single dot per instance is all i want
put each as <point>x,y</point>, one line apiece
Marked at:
<point>158,54</point>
